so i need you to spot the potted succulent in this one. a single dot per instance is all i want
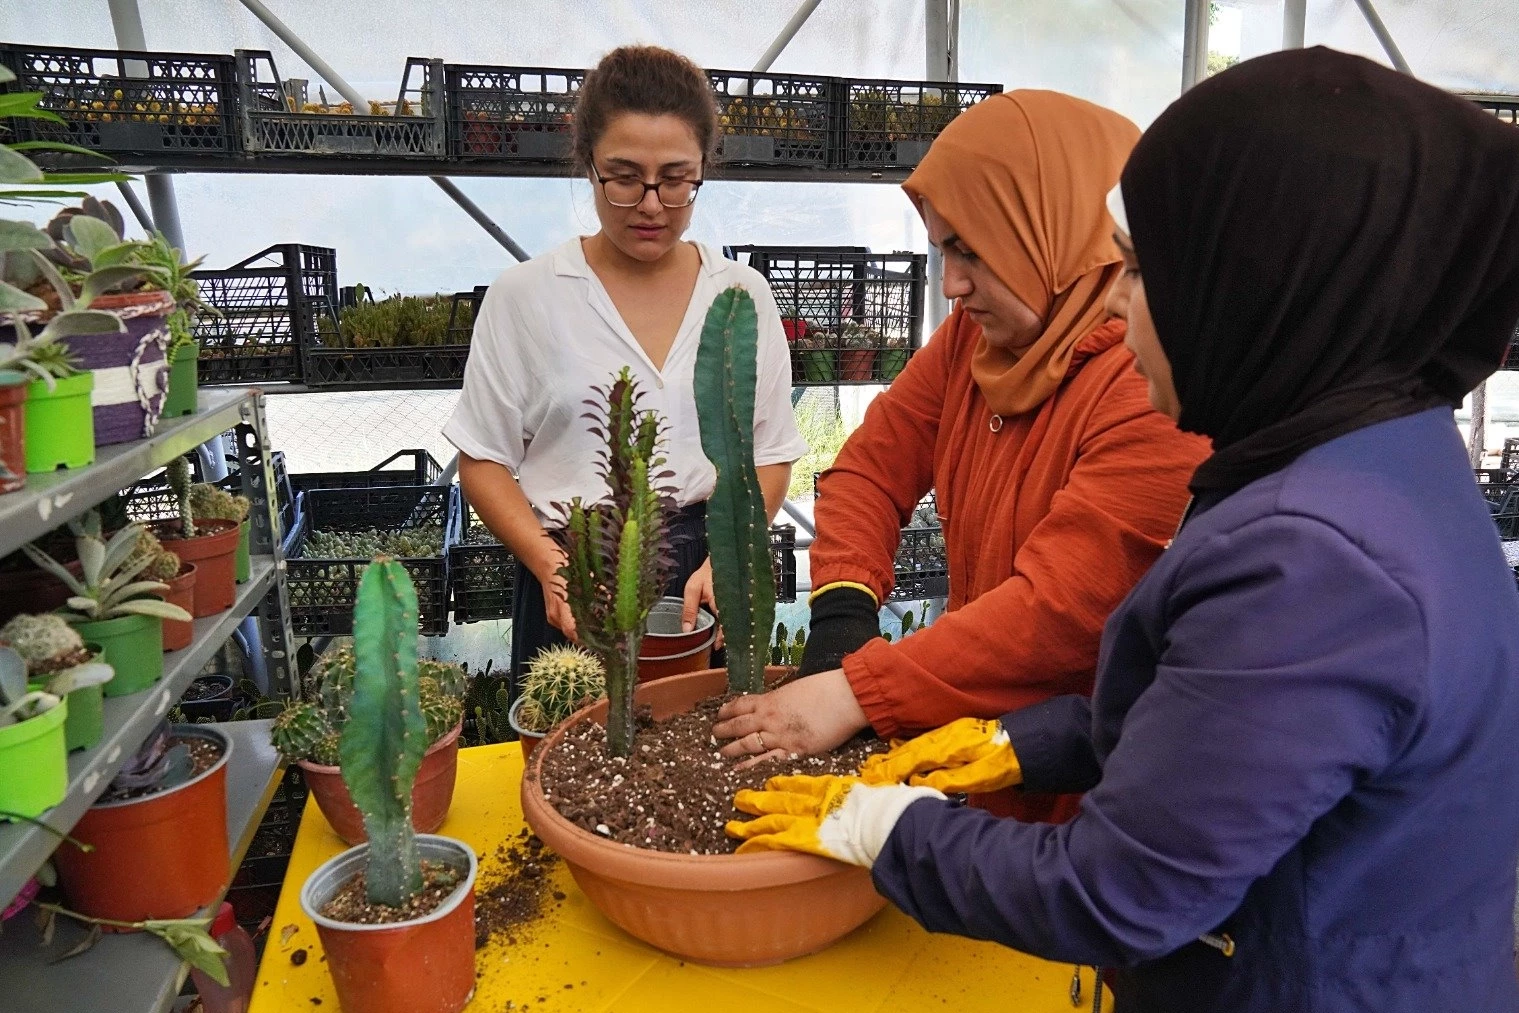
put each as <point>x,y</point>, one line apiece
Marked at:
<point>892,358</point>
<point>183,352</point>
<point>58,661</point>
<point>32,751</point>
<point>814,352</point>
<point>559,681</point>
<point>859,344</point>
<point>209,502</point>
<point>396,914</point>
<point>178,578</point>
<point>787,649</point>
<point>43,426</point>
<point>725,909</point>
<point>109,607</point>
<point>308,733</point>
<point>211,544</point>
<point>157,836</point>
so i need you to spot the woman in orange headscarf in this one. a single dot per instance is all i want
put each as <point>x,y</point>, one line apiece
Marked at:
<point>1057,483</point>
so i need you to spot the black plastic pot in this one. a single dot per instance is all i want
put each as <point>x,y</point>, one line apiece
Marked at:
<point>214,699</point>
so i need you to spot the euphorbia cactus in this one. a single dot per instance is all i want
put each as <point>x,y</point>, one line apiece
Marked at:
<point>618,550</point>
<point>738,538</point>
<point>383,742</point>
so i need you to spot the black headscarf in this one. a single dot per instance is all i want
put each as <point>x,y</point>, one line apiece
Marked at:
<point>1325,244</point>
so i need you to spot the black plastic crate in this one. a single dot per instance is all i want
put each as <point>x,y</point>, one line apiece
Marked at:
<point>268,306</point>
<point>519,114</point>
<point>775,119</point>
<point>322,591</point>
<point>150,499</point>
<point>853,316</point>
<point>482,573</point>
<point>890,124</point>
<point>922,568</point>
<point>128,102</point>
<point>398,365</point>
<point>783,560</point>
<point>278,115</point>
<point>1510,459</point>
<point>424,470</point>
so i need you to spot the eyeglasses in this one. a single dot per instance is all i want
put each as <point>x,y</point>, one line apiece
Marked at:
<point>629,191</point>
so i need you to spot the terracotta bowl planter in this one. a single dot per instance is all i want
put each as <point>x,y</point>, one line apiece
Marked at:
<point>723,910</point>
<point>431,795</point>
<point>425,965</point>
<point>181,592</point>
<point>668,650</point>
<point>12,431</point>
<point>213,550</point>
<point>160,856</point>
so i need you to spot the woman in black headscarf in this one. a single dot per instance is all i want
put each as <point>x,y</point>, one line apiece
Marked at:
<point>1299,763</point>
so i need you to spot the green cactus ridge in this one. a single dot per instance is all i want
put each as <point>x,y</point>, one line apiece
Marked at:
<point>179,484</point>
<point>40,639</point>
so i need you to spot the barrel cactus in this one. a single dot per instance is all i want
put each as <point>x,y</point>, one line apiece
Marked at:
<point>559,680</point>
<point>298,731</point>
<point>45,642</point>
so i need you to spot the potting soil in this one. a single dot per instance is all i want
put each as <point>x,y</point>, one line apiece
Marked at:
<point>675,792</point>
<point>513,890</point>
<point>350,904</point>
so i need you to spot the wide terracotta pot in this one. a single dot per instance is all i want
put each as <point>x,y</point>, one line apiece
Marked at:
<point>424,965</point>
<point>667,649</point>
<point>723,910</point>
<point>181,592</point>
<point>12,431</point>
<point>431,794</point>
<point>160,856</point>
<point>213,550</point>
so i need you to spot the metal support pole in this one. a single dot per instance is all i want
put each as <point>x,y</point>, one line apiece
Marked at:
<point>126,19</point>
<point>138,211</point>
<point>1194,46</point>
<point>472,209</point>
<point>1383,36</point>
<point>1294,21</point>
<point>941,34</point>
<point>1476,444</point>
<point>788,33</point>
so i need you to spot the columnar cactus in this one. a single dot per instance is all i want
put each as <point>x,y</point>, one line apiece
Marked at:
<point>558,680</point>
<point>382,744</point>
<point>618,550</point>
<point>738,539</point>
<point>179,484</point>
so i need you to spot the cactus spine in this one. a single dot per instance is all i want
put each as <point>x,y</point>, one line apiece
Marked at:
<point>738,539</point>
<point>382,744</point>
<point>617,551</point>
<point>179,484</point>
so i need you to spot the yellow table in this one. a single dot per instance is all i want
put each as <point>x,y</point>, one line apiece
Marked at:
<point>576,960</point>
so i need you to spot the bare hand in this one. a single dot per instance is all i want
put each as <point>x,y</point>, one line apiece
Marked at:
<point>801,718</point>
<point>698,593</point>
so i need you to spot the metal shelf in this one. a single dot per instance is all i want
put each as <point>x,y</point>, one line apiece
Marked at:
<point>50,499</point>
<point>128,719</point>
<point>132,973</point>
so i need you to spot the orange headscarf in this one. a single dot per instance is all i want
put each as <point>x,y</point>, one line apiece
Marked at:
<point>1023,177</point>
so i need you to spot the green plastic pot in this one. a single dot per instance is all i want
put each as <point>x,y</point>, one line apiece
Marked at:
<point>133,645</point>
<point>86,721</point>
<point>36,763</point>
<point>60,425</point>
<point>183,382</point>
<point>242,567</point>
<point>817,365</point>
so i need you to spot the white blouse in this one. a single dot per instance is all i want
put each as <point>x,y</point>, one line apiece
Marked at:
<point>547,332</point>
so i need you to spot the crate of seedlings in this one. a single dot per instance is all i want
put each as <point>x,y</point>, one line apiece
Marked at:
<point>516,114</point>
<point>482,572</point>
<point>890,124</point>
<point>400,340</point>
<point>851,316</point>
<point>267,309</point>
<point>404,467</point>
<point>284,117</point>
<point>124,102</point>
<point>338,531</point>
<point>774,119</point>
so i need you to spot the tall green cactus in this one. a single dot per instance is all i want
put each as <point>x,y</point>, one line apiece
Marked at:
<point>738,539</point>
<point>179,484</point>
<point>383,742</point>
<point>618,552</point>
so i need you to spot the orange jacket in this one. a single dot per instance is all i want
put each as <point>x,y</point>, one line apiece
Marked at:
<point>1048,523</point>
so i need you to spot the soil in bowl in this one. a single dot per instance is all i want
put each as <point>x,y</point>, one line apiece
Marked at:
<point>203,756</point>
<point>349,904</point>
<point>675,792</point>
<point>514,890</point>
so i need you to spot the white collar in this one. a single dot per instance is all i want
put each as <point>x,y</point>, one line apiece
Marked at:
<point>569,259</point>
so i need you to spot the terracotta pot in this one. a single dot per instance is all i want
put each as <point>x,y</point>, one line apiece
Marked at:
<point>213,550</point>
<point>857,364</point>
<point>724,910</point>
<point>160,856</point>
<point>667,650</point>
<point>12,431</point>
<point>181,592</point>
<point>425,965</point>
<point>431,795</point>
<point>34,591</point>
<point>528,739</point>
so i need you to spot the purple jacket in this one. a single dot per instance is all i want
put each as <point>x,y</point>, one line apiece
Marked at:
<point>1305,736</point>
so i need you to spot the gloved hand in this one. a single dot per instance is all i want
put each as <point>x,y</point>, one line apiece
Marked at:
<point>844,619</point>
<point>968,755</point>
<point>829,815</point>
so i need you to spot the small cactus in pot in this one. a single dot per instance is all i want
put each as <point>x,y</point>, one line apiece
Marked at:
<point>559,680</point>
<point>57,659</point>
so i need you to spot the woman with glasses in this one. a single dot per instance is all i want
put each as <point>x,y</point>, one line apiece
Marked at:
<point>634,294</point>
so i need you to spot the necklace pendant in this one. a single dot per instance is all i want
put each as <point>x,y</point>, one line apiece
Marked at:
<point>996,424</point>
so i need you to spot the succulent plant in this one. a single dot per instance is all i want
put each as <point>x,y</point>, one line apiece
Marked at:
<point>179,484</point>
<point>857,335</point>
<point>400,320</point>
<point>18,701</point>
<point>298,731</point>
<point>618,550</point>
<point>738,526</point>
<point>787,648</point>
<point>411,543</point>
<point>558,681</point>
<point>486,699</point>
<point>163,565</point>
<point>155,766</point>
<point>107,587</point>
<point>42,640</point>
<point>42,359</point>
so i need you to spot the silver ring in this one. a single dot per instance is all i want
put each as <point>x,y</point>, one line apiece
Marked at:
<point>760,737</point>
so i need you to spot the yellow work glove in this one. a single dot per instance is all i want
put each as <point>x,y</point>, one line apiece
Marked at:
<point>829,815</point>
<point>969,755</point>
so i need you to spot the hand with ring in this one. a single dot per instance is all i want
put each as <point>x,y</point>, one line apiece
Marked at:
<point>809,716</point>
